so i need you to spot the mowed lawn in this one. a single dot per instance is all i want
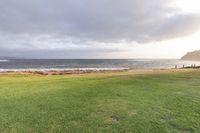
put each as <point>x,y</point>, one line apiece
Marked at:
<point>122,102</point>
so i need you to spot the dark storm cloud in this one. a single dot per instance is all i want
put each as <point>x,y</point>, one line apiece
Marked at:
<point>97,20</point>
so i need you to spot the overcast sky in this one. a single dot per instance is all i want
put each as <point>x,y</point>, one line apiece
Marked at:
<point>99,28</point>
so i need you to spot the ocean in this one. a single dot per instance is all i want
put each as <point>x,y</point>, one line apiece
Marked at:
<point>24,64</point>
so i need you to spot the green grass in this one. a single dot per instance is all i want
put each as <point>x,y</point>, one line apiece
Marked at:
<point>123,102</point>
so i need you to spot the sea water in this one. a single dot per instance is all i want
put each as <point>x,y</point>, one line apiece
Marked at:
<point>24,64</point>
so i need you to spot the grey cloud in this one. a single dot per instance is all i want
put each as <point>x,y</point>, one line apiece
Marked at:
<point>176,26</point>
<point>54,54</point>
<point>57,24</point>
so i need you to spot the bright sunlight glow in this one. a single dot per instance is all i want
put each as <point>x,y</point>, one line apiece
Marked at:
<point>192,6</point>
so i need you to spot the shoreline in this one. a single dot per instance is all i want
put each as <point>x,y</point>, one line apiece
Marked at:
<point>73,71</point>
<point>63,69</point>
<point>56,71</point>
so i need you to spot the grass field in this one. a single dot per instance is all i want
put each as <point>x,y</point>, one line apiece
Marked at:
<point>122,102</point>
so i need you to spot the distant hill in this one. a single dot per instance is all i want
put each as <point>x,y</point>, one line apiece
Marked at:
<point>193,56</point>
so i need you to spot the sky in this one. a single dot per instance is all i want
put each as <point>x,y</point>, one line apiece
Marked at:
<point>99,28</point>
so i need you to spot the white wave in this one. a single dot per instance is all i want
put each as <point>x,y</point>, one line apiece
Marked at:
<point>66,69</point>
<point>3,60</point>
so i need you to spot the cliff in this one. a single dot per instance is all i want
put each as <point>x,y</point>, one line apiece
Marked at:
<point>193,56</point>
